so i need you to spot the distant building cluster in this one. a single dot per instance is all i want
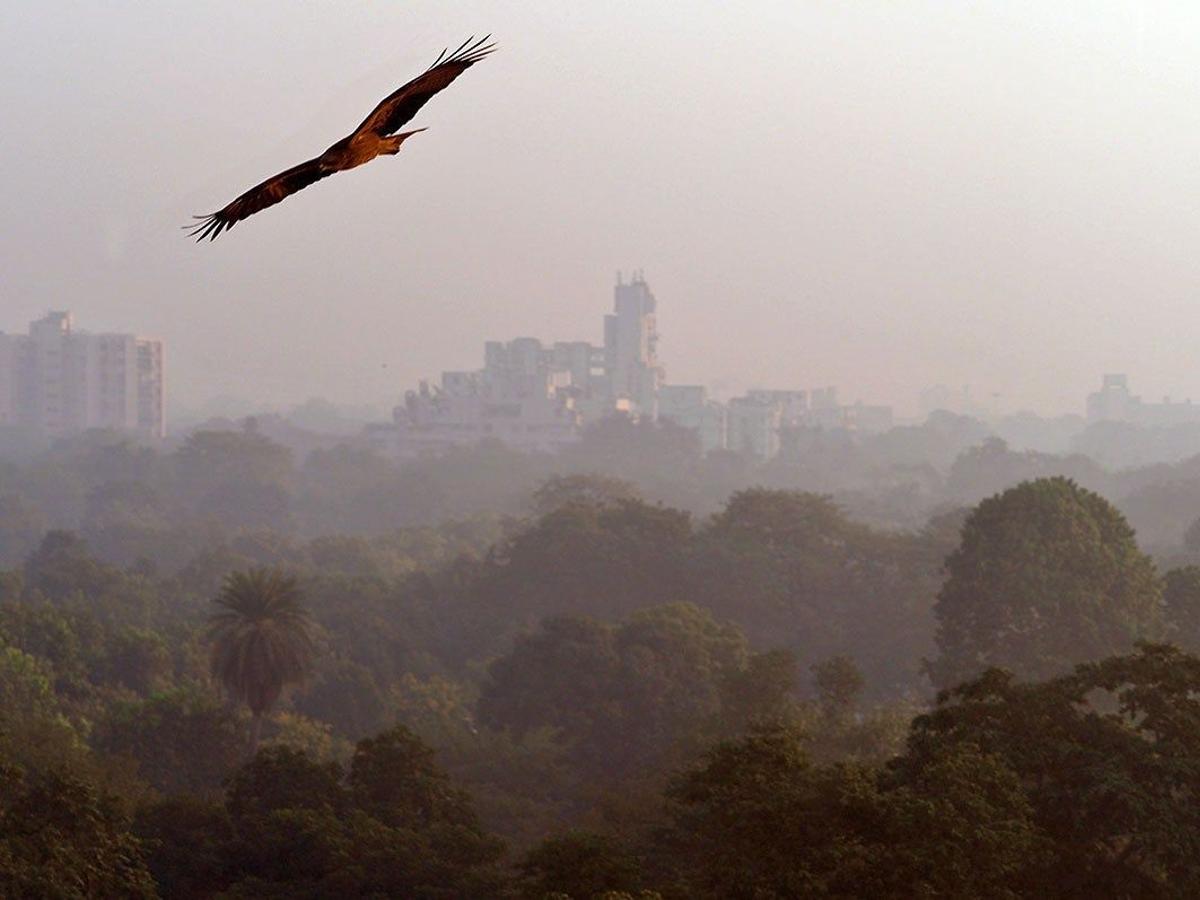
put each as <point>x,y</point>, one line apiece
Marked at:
<point>56,381</point>
<point>940,398</point>
<point>1114,403</point>
<point>537,397</point>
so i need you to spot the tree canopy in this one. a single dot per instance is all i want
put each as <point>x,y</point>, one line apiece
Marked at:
<point>1047,574</point>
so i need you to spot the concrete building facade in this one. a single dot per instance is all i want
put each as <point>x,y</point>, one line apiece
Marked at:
<point>537,397</point>
<point>1115,403</point>
<point>689,406</point>
<point>631,344</point>
<point>57,381</point>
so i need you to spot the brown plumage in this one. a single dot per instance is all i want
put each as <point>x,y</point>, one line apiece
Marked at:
<point>375,136</point>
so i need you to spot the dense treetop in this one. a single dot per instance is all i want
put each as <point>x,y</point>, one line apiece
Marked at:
<point>1047,574</point>
<point>633,671</point>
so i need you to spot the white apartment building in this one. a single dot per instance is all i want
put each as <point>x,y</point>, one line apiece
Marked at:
<point>1114,403</point>
<point>463,411</point>
<point>753,426</point>
<point>56,381</point>
<point>688,406</point>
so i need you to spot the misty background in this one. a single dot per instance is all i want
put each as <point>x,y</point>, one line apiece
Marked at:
<point>565,628</point>
<point>876,195</point>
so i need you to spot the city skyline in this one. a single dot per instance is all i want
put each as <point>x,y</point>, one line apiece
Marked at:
<point>538,397</point>
<point>682,403</point>
<point>886,199</point>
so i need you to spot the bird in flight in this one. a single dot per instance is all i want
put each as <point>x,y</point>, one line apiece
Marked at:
<point>374,137</point>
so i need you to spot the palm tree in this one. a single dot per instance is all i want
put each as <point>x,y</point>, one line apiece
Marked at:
<point>261,639</point>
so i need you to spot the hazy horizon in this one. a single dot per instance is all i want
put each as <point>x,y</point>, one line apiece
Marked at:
<point>877,198</point>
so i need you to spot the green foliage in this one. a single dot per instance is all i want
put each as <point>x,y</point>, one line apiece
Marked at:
<point>552,685</point>
<point>346,490</point>
<point>394,777</point>
<point>991,466</point>
<point>396,827</point>
<point>1191,537</point>
<point>283,778</point>
<point>260,637</point>
<point>464,481</point>
<point>124,521</point>
<point>66,641</point>
<point>183,741</point>
<point>437,709</point>
<point>578,864</point>
<point>1181,598</point>
<point>310,736</point>
<point>21,527</point>
<point>757,819</point>
<point>621,696</point>
<point>597,559</point>
<point>346,695</point>
<point>186,843</point>
<point>389,627</point>
<point>560,491</point>
<point>137,659</point>
<point>522,787</point>
<point>1047,575</point>
<point>60,838</point>
<point>839,686</point>
<point>763,691</point>
<point>34,733</point>
<point>791,569</point>
<point>238,478</point>
<point>61,568</point>
<point>1110,759</point>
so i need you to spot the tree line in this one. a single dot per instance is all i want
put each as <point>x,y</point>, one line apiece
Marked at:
<point>610,696</point>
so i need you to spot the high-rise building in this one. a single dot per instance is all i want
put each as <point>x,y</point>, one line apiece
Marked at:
<point>631,344</point>
<point>56,381</point>
<point>1114,403</point>
<point>538,397</point>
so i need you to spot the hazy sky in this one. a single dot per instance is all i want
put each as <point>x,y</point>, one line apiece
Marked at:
<point>877,194</point>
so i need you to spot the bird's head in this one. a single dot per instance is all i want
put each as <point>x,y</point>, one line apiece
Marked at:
<point>392,144</point>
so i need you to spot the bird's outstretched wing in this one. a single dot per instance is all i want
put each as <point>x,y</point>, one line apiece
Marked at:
<point>397,108</point>
<point>387,118</point>
<point>259,197</point>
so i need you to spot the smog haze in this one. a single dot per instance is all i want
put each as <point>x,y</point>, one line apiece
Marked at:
<point>876,195</point>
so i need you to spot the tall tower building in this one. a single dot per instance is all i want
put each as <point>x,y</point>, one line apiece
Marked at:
<point>57,381</point>
<point>631,344</point>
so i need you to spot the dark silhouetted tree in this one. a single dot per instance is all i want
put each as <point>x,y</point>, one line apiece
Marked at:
<point>577,864</point>
<point>589,489</point>
<point>60,838</point>
<point>1110,759</point>
<point>260,639</point>
<point>1181,597</point>
<point>839,686</point>
<point>1048,574</point>
<point>757,819</point>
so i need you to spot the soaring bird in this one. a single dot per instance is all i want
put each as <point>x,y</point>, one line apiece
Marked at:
<point>374,137</point>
